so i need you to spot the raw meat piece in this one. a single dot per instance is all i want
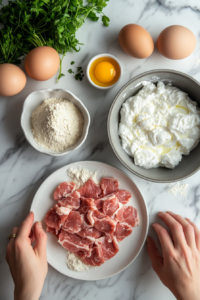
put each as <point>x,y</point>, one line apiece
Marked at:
<point>94,213</point>
<point>82,254</point>
<point>109,248</point>
<point>103,223</point>
<point>99,202</point>
<point>90,217</point>
<point>123,196</point>
<point>129,215</point>
<point>98,215</point>
<point>109,235</point>
<point>86,205</point>
<point>109,185</point>
<point>96,257</point>
<point>85,223</point>
<point>90,189</point>
<point>72,201</point>
<point>122,230</point>
<point>110,206</point>
<point>73,223</point>
<point>63,213</point>
<point>63,189</point>
<point>53,231</point>
<point>90,233</point>
<point>73,242</point>
<point>53,220</point>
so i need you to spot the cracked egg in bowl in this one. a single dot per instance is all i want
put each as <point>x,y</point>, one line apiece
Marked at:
<point>104,71</point>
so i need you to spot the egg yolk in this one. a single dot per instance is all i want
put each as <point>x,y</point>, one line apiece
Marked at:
<point>105,71</point>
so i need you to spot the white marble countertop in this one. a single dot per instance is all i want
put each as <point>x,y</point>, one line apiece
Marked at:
<point>23,169</point>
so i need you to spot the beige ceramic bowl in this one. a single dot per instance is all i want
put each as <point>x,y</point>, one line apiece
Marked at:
<point>189,164</point>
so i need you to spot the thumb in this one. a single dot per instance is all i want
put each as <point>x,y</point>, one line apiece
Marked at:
<point>154,254</point>
<point>41,239</point>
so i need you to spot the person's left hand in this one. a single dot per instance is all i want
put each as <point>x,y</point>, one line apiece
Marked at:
<point>28,265</point>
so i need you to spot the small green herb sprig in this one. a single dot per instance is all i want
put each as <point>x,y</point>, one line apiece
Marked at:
<point>78,73</point>
<point>70,71</point>
<point>28,24</point>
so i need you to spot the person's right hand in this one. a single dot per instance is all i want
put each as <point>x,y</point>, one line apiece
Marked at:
<point>28,265</point>
<point>179,267</point>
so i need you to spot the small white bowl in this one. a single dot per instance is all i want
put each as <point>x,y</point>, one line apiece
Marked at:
<point>35,99</point>
<point>88,68</point>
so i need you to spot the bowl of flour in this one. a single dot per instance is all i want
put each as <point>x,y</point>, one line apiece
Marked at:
<point>55,122</point>
<point>154,125</point>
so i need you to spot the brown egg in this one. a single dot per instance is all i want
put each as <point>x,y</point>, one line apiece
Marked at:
<point>12,80</point>
<point>176,42</point>
<point>42,63</point>
<point>136,41</point>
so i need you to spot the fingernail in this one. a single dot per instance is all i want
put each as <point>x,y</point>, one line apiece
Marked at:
<point>153,224</point>
<point>30,213</point>
<point>161,213</point>
<point>148,240</point>
<point>169,212</point>
<point>40,224</point>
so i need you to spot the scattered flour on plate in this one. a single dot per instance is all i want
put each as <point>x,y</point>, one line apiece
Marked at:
<point>79,176</point>
<point>75,264</point>
<point>178,188</point>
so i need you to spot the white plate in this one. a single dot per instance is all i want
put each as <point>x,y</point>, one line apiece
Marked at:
<point>129,248</point>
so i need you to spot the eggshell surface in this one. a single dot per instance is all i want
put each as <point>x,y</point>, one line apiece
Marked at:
<point>42,63</point>
<point>12,80</point>
<point>136,41</point>
<point>176,42</point>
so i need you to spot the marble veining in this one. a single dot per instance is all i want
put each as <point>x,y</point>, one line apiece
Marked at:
<point>23,169</point>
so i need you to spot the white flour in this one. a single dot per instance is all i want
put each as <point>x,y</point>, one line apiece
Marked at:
<point>57,124</point>
<point>178,188</point>
<point>75,264</point>
<point>80,175</point>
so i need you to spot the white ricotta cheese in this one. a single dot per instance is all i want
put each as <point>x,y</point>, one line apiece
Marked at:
<point>159,125</point>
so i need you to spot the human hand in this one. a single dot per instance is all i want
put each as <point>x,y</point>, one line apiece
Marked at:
<point>28,265</point>
<point>179,267</point>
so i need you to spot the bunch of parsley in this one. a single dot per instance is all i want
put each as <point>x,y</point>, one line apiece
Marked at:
<point>27,24</point>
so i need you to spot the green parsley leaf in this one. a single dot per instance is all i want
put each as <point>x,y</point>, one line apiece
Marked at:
<point>105,21</point>
<point>70,71</point>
